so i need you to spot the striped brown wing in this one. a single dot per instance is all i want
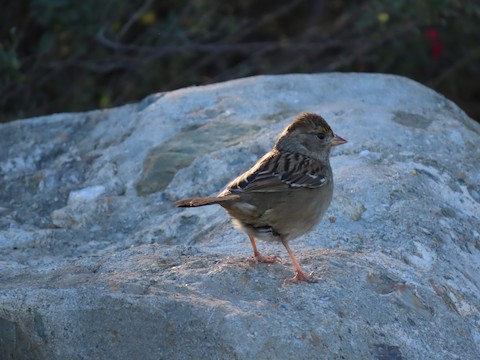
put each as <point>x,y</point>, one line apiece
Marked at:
<point>277,172</point>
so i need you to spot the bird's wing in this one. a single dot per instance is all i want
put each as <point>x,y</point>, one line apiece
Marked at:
<point>277,172</point>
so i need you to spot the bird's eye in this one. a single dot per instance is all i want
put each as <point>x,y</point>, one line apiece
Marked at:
<point>321,136</point>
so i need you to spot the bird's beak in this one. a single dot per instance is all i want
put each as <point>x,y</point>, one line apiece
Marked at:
<point>337,140</point>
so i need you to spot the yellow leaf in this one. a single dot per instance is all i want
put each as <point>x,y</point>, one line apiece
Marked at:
<point>383,17</point>
<point>148,18</point>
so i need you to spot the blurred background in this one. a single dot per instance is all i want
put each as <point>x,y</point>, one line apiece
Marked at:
<point>68,55</point>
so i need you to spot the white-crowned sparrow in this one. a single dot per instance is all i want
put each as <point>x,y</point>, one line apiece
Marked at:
<point>286,193</point>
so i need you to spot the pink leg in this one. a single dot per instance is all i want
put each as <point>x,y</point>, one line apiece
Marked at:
<point>259,257</point>
<point>299,274</point>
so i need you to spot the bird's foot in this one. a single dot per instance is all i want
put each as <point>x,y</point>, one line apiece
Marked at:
<point>300,276</point>
<point>265,259</point>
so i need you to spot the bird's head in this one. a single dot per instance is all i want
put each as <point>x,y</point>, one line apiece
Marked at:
<point>309,134</point>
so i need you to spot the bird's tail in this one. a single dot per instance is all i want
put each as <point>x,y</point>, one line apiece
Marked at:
<point>202,201</point>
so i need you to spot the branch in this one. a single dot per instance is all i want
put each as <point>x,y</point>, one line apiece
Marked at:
<point>135,16</point>
<point>216,48</point>
<point>464,61</point>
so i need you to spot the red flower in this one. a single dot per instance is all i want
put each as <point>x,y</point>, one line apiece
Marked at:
<point>436,45</point>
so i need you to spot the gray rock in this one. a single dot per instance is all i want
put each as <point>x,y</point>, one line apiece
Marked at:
<point>97,263</point>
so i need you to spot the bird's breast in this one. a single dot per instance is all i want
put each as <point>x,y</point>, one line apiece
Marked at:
<point>289,214</point>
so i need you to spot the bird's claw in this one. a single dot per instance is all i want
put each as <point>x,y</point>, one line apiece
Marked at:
<point>265,259</point>
<point>300,276</point>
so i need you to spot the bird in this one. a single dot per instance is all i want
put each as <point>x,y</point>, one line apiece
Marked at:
<point>286,193</point>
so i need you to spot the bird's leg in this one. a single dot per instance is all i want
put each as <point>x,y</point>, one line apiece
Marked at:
<point>259,257</point>
<point>299,274</point>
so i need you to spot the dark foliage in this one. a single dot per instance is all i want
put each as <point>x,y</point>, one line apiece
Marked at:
<point>66,55</point>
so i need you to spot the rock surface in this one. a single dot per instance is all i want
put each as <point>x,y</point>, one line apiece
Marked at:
<point>96,263</point>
